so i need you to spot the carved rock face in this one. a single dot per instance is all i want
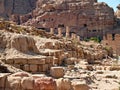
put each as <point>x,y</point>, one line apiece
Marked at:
<point>78,15</point>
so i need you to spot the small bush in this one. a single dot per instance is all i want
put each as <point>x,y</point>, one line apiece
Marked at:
<point>95,39</point>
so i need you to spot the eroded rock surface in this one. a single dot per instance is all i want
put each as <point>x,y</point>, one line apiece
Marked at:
<point>9,7</point>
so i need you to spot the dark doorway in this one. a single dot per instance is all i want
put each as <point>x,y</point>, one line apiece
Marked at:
<point>85,25</point>
<point>61,25</point>
<point>113,36</point>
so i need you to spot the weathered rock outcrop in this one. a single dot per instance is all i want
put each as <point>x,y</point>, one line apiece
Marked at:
<point>9,7</point>
<point>23,43</point>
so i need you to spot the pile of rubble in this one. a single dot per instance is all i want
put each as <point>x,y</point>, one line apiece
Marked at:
<point>65,63</point>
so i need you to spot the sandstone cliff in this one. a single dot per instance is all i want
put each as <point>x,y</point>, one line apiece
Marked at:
<point>72,13</point>
<point>9,7</point>
<point>86,18</point>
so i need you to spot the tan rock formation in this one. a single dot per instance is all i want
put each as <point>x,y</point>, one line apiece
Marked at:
<point>28,44</point>
<point>19,42</point>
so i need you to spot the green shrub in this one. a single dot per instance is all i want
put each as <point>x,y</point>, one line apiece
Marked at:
<point>95,39</point>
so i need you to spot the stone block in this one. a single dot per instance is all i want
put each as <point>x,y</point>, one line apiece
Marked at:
<point>27,67</point>
<point>80,86</point>
<point>27,83</point>
<point>45,83</point>
<point>55,61</point>
<point>20,61</point>
<point>40,68</point>
<point>112,68</point>
<point>63,84</point>
<point>47,61</point>
<point>9,61</point>
<point>69,61</point>
<point>45,67</point>
<point>57,72</point>
<point>33,68</point>
<point>3,78</point>
<point>16,65</point>
<point>14,82</point>
<point>70,67</point>
<point>36,61</point>
<point>35,76</point>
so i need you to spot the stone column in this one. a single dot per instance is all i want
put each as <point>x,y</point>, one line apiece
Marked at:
<point>72,36</point>
<point>51,30</point>
<point>78,38</point>
<point>67,32</point>
<point>60,32</point>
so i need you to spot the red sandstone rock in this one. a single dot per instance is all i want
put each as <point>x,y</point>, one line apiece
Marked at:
<point>44,83</point>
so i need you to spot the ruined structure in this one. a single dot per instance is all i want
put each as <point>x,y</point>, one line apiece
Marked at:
<point>85,17</point>
<point>112,40</point>
<point>29,58</point>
